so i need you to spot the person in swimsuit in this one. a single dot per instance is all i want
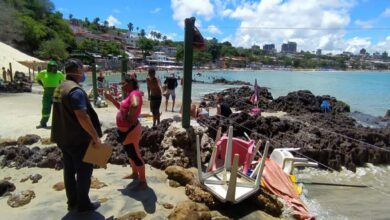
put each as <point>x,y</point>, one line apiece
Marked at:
<point>127,122</point>
<point>154,95</point>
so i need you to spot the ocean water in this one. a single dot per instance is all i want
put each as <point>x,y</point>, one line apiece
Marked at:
<point>366,92</point>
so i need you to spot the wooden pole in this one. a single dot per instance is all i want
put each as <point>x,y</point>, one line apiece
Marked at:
<point>187,78</point>
<point>10,70</point>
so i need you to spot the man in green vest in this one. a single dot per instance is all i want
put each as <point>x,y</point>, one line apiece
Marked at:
<point>49,78</point>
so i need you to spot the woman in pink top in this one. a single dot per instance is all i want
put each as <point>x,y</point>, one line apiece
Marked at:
<point>130,128</point>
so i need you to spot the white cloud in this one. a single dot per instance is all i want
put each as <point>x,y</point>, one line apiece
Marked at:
<point>112,21</point>
<point>355,44</point>
<point>183,9</point>
<point>382,45</point>
<point>311,23</point>
<point>213,29</point>
<point>386,13</point>
<point>155,11</point>
<point>365,24</point>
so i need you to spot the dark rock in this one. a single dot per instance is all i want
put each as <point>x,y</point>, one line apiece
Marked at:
<point>227,82</point>
<point>387,115</point>
<point>35,178</point>
<point>303,101</point>
<point>28,139</point>
<point>6,187</point>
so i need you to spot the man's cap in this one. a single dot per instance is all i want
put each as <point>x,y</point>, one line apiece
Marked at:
<point>52,63</point>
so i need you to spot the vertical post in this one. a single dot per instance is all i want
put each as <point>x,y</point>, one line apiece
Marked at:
<point>10,69</point>
<point>187,78</point>
<point>123,74</point>
<point>94,83</point>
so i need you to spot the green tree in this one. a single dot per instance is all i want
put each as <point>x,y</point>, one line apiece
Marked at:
<point>53,49</point>
<point>214,49</point>
<point>145,45</point>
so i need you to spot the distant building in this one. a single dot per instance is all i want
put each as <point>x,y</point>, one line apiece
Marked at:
<point>363,52</point>
<point>169,51</point>
<point>131,39</point>
<point>269,48</point>
<point>290,47</point>
<point>318,52</point>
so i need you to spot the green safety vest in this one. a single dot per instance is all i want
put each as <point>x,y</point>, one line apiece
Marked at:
<point>49,79</point>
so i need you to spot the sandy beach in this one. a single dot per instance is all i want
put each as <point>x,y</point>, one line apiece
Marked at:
<point>19,115</point>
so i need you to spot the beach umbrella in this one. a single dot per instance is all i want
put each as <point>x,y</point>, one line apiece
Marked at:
<point>254,98</point>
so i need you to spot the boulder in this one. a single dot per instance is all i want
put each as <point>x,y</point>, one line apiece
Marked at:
<point>6,187</point>
<point>59,186</point>
<point>180,175</point>
<point>190,210</point>
<point>21,198</point>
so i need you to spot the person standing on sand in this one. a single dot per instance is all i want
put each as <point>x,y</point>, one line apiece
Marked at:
<point>100,83</point>
<point>154,95</point>
<point>49,78</point>
<point>74,126</point>
<point>129,129</point>
<point>171,83</point>
<point>4,74</point>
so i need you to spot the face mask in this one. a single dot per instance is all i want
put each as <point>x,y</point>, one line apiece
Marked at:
<point>83,78</point>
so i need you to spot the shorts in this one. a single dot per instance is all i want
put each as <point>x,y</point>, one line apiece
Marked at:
<point>155,103</point>
<point>170,92</point>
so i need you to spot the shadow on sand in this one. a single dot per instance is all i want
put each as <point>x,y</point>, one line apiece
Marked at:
<point>73,215</point>
<point>147,197</point>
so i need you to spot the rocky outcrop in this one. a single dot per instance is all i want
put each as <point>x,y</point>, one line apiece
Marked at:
<point>238,98</point>
<point>228,82</point>
<point>303,101</point>
<point>334,140</point>
<point>22,156</point>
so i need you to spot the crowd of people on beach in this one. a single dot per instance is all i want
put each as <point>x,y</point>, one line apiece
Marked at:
<point>75,124</point>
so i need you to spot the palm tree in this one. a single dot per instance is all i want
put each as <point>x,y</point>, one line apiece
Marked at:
<point>130,26</point>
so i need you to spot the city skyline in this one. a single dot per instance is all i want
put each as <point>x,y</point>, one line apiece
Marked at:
<point>333,26</point>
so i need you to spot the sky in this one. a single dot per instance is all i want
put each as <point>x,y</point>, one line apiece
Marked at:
<point>333,26</point>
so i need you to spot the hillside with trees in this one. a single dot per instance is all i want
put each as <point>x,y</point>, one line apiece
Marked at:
<point>33,26</point>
